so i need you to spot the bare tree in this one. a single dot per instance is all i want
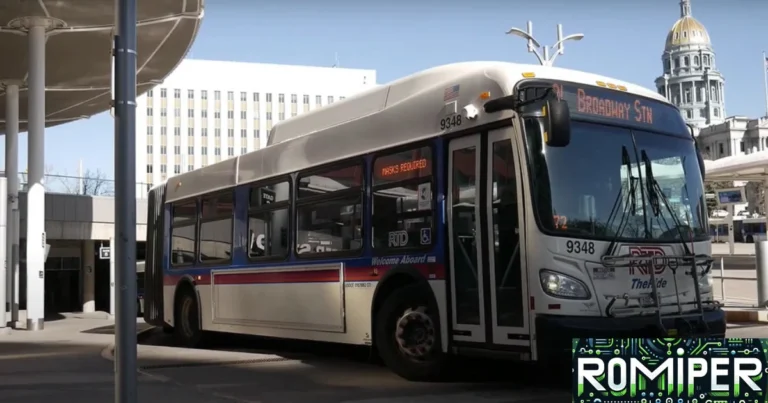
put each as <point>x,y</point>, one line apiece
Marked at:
<point>47,172</point>
<point>92,183</point>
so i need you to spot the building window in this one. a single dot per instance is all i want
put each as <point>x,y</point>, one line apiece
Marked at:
<point>204,94</point>
<point>217,115</point>
<point>149,168</point>
<point>204,132</point>
<point>163,130</point>
<point>190,131</point>
<point>191,150</point>
<point>268,220</point>
<point>269,115</point>
<point>243,133</point>
<point>242,115</point>
<point>216,227</point>
<point>150,130</point>
<point>177,169</point>
<point>230,132</point>
<point>722,149</point>
<point>687,61</point>
<point>217,151</point>
<point>255,97</point>
<point>177,93</point>
<point>230,114</point>
<point>306,99</point>
<point>269,97</point>
<point>230,96</point>
<point>243,96</point>
<point>163,169</point>
<point>281,116</point>
<point>177,131</point>
<point>328,218</point>
<point>149,149</point>
<point>163,93</point>
<point>163,150</point>
<point>204,114</point>
<point>177,150</point>
<point>243,150</point>
<point>204,150</point>
<point>177,112</point>
<point>230,151</point>
<point>281,98</point>
<point>256,133</point>
<point>341,98</point>
<point>150,94</point>
<point>330,99</point>
<point>190,113</point>
<point>216,132</point>
<point>391,210</point>
<point>163,112</point>
<point>190,168</point>
<point>190,94</point>
<point>293,98</point>
<point>318,99</point>
<point>149,111</point>
<point>217,95</point>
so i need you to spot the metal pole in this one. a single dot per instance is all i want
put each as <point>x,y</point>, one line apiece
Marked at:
<point>112,277</point>
<point>3,251</point>
<point>761,258</point>
<point>35,180</point>
<point>722,278</point>
<point>765,81</point>
<point>124,248</point>
<point>12,215</point>
<point>731,235</point>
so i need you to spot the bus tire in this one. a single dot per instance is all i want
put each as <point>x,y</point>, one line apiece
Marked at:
<point>407,334</point>
<point>187,330</point>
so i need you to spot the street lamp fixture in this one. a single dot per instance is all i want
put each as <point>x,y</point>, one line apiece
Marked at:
<point>533,44</point>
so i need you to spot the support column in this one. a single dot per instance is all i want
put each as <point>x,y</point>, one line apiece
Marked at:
<point>36,193</point>
<point>3,226</point>
<point>12,214</point>
<point>89,276</point>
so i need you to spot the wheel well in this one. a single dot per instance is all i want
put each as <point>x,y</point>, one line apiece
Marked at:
<point>385,288</point>
<point>185,285</point>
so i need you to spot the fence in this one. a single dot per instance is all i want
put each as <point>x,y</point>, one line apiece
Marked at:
<point>85,185</point>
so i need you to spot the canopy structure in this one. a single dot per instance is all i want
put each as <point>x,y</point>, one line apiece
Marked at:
<point>79,36</point>
<point>750,167</point>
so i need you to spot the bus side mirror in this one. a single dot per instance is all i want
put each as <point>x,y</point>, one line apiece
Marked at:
<point>559,123</point>
<point>699,157</point>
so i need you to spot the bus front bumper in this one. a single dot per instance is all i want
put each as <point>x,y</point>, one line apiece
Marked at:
<point>554,333</point>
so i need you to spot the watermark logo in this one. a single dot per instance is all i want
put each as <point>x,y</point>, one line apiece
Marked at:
<point>669,370</point>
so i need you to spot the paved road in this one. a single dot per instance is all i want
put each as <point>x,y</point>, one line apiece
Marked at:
<point>257,370</point>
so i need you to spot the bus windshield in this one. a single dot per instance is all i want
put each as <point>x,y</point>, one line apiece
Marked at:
<point>597,186</point>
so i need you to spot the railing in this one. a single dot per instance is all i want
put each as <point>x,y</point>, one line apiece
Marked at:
<point>85,185</point>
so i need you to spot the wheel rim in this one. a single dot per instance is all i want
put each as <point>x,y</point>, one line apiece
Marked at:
<point>415,333</point>
<point>186,310</point>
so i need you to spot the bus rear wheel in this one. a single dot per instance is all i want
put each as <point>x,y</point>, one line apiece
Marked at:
<point>407,334</point>
<point>187,330</point>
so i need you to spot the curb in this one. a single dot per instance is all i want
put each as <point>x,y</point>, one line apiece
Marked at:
<point>746,316</point>
<point>108,353</point>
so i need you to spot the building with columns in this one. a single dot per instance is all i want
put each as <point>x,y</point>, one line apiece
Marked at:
<point>690,77</point>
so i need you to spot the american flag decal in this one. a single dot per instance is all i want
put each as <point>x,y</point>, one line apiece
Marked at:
<point>451,93</point>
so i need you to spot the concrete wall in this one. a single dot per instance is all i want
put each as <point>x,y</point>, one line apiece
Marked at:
<point>76,217</point>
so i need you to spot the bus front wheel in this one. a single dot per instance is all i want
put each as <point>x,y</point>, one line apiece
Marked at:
<point>187,330</point>
<point>407,334</point>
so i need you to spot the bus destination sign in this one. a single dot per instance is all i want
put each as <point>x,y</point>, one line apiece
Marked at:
<point>620,108</point>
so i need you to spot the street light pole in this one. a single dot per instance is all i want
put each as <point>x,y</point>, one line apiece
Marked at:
<point>533,44</point>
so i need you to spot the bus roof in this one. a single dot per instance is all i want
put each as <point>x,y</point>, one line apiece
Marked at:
<point>405,110</point>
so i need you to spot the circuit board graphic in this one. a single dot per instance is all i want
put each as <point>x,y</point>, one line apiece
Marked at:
<point>654,352</point>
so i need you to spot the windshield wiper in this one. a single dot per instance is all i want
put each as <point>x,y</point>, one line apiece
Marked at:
<point>656,197</point>
<point>631,201</point>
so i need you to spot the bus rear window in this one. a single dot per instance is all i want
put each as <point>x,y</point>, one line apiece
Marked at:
<point>401,166</point>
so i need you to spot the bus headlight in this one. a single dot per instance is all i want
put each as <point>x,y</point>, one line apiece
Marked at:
<point>562,286</point>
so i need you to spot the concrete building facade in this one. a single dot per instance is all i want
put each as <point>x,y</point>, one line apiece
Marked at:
<point>207,111</point>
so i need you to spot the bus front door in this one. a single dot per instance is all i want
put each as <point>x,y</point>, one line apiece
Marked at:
<point>488,282</point>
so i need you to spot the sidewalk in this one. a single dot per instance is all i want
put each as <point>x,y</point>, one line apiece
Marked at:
<point>64,363</point>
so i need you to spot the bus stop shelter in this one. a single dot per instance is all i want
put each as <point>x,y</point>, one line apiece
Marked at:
<point>749,168</point>
<point>58,67</point>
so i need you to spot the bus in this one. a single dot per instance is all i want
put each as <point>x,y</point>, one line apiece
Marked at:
<point>745,229</point>
<point>479,208</point>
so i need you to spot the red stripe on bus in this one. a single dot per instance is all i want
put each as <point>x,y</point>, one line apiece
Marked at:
<point>351,274</point>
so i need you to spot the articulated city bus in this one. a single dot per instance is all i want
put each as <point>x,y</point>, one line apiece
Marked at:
<point>475,208</point>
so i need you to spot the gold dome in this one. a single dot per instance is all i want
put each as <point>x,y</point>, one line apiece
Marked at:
<point>687,31</point>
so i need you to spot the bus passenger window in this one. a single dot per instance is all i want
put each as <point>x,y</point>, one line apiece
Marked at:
<point>183,233</point>
<point>216,227</point>
<point>402,199</point>
<point>268,220</point>
<point>329,211</point>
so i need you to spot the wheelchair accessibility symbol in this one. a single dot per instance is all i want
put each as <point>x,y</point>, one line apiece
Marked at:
<point>426,236</point>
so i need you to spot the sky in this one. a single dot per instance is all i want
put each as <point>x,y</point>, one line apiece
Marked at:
<point>623,40</point>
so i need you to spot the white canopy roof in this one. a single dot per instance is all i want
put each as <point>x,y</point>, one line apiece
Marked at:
<point>750,167</point>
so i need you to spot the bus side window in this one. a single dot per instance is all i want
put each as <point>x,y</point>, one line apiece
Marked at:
<point>183,232</point>
<point>402,200</point>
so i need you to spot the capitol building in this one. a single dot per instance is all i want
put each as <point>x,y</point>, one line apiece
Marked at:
<point>692,81</point>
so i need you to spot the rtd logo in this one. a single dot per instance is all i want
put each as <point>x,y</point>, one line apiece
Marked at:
<point>655,256</point>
